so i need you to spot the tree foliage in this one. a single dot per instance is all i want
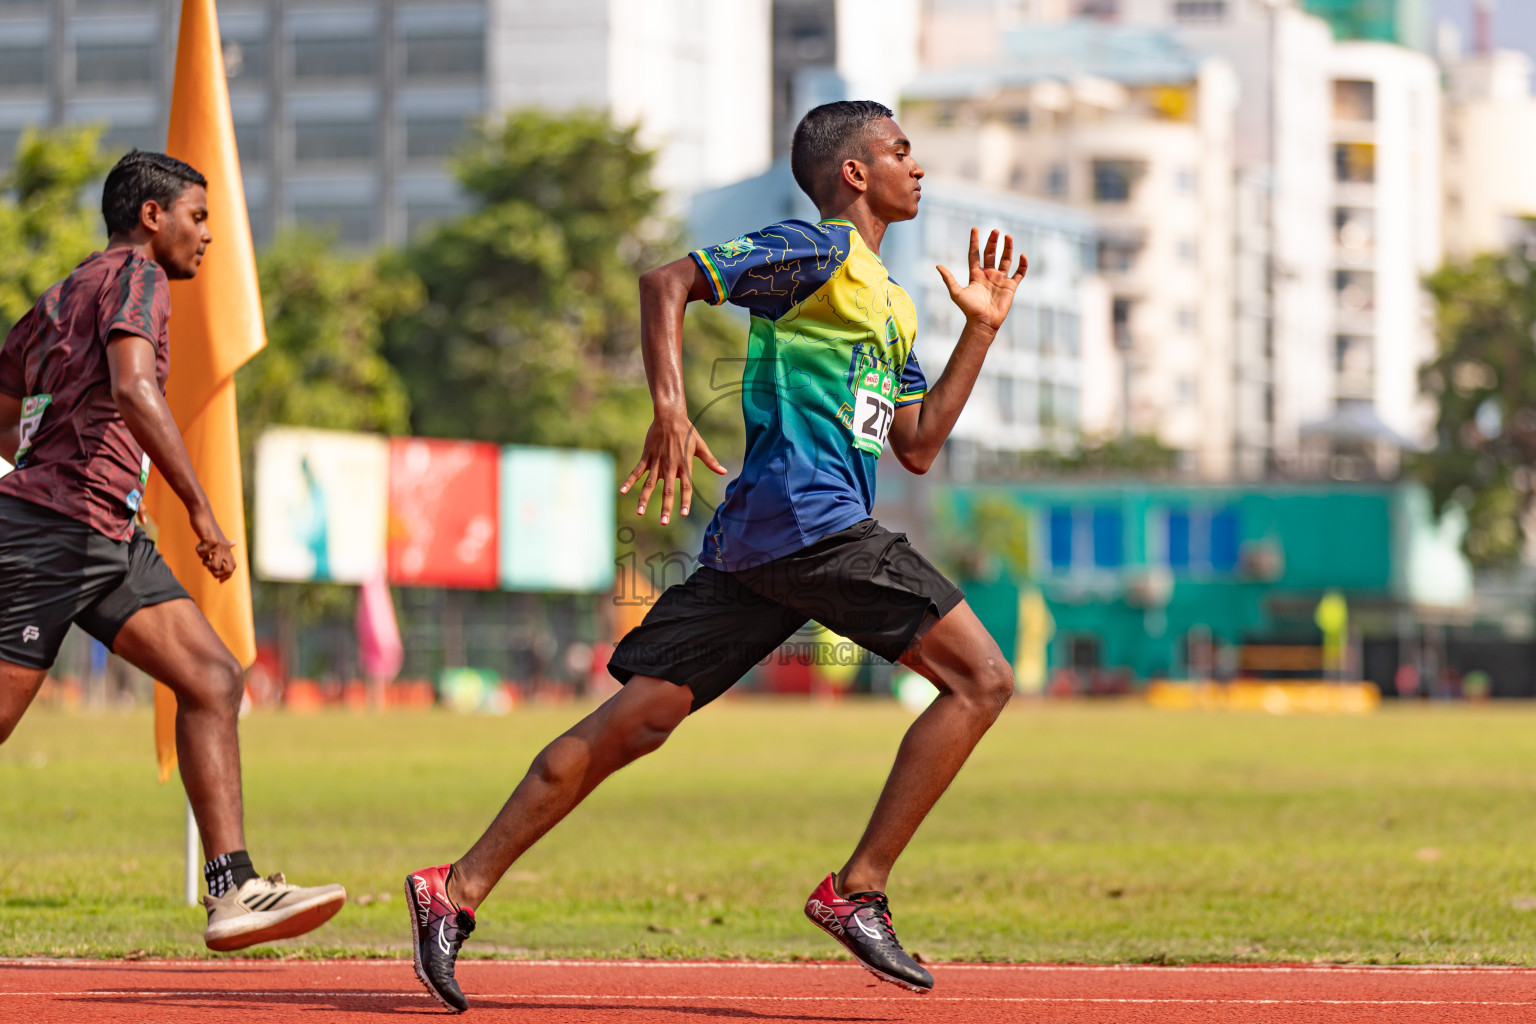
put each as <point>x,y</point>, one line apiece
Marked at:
<point>530,332</point>
<point>45,227</point>
<point>323,365</point>
<point>1483,381</point>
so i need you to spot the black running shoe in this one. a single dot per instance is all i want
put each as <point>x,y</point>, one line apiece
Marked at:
<point>438,929</point>
<point>862,923</point>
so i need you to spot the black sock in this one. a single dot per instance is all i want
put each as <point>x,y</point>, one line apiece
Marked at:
<point>228,871</point>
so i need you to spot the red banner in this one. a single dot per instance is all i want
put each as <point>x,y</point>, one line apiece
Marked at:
<point>442,513</point>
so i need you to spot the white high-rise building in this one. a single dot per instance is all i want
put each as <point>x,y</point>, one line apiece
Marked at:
<point>1490,153</point>
<point>1283,311</point>
<point>1137,130</point>
<point>1387,228</point>
<point>1336,174</point>
<point>694,76</point>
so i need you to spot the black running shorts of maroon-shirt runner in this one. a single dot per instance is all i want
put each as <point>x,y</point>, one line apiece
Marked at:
<point>79,457</point>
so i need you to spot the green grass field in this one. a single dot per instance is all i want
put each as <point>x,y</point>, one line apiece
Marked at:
<point>1081,832</point>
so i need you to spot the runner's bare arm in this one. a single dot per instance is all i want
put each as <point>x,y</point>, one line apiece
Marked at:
<point>920,430</point>
<point>131,361</point>
<point>672,443</point>
<point>10,427</point>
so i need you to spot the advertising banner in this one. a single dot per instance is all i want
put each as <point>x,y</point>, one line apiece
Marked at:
<point>322,503</point>
<point>442,513</point>
<point>556,519</point>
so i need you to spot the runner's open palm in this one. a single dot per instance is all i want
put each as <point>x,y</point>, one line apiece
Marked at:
<point>988,296</point>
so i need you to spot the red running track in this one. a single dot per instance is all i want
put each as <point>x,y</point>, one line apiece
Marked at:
<point>664,992</point>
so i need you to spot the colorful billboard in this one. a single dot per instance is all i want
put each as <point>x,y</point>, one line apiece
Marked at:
<point>442,513</point>
<point>340,507</point>
<point>321,505</point>
<point>556,519</point>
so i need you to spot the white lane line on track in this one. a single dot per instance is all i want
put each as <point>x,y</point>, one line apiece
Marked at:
<point>1109,1000</point>
<point>840,965</point>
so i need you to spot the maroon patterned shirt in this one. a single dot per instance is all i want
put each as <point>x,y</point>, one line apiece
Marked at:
<point>77,456</point>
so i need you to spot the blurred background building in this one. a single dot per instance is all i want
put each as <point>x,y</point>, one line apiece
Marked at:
<point>346,112</point>
<point>1136,131</point>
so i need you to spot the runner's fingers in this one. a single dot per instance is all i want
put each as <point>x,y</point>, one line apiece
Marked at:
<point>645,491</point>
<point>1007,257</point>
<point>635,473</point>
<point>1023,267</point>
<point>975,253</point>
<point>668,491</point>
<point>687,481</point>
<point>989,261</point>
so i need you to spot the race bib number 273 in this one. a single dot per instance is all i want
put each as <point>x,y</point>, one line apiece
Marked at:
<point>873,410</point>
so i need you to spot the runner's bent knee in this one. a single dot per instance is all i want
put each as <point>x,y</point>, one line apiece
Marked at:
<point>663,710</point>
<point>218,683</point>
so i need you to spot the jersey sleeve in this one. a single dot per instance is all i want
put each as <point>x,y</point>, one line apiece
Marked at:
<point>13,374</point>
<point>771,271</point>
<point>133,304</point>
<point>913,384</point>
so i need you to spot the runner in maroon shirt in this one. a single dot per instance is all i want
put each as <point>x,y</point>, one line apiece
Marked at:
<point>83,415</point>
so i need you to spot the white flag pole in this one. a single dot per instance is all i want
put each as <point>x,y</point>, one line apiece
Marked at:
<point>192,864</point>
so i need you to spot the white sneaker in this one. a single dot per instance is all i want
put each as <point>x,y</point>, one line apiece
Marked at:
<point>268,909</point>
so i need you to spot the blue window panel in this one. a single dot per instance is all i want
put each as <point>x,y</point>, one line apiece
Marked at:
<point>1178,538</point>
<point>1061,538</point>
<point>1108,538</point>
<point>1225,540</point>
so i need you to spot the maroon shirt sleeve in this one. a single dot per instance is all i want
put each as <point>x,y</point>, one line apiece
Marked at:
<point>129,303</point>
<point>13,376</point>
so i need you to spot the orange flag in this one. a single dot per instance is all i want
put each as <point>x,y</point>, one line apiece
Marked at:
<point>216,326</point>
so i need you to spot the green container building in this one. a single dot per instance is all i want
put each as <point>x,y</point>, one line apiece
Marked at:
<point>1157,580</point>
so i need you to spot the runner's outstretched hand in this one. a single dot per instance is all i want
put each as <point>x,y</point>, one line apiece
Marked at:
<point>671,445</point>
<point>988,295</point>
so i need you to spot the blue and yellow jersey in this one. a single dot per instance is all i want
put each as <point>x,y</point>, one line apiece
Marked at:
<point>829,360</point>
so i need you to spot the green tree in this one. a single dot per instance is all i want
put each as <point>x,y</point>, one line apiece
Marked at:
<point>1483,381</point>
<point>45,226</point>
<point>530,332</point>
<point>322,367</point>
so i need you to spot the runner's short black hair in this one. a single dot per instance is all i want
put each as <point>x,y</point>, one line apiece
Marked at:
<point>828,135</point>
<point>138,178</point>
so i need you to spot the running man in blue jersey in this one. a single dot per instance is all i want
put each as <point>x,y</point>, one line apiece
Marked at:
<point>831,380</point>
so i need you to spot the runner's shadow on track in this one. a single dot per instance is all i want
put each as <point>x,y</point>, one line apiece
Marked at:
<point>412,1005</point>
<point>593,1012</point>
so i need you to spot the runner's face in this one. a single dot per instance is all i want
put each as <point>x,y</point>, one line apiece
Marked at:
<point>894,177</point>
<point>182,234</point>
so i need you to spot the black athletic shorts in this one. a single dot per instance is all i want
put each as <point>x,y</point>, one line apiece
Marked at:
<point>865,583</point>
<point>55,570</point>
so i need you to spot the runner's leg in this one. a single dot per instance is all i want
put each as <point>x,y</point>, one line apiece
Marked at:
<point>960,657</point>
<point>630,724</point>
<point>18,685</point>
<point>175,644</point>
